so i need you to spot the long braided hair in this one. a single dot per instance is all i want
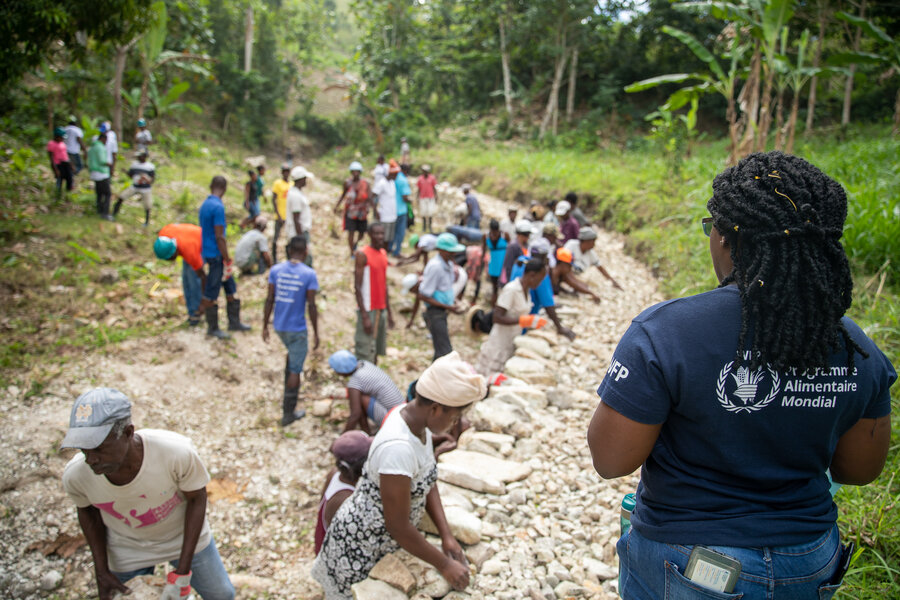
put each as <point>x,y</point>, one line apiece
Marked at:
<point>783,220</point>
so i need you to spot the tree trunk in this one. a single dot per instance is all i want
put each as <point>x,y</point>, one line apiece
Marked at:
<point>121,57</point>
<point>504,63</point>
<point>765,110</point>
<point>145,87</point>
<point>779,121</point>
<point>748,100</point>
<point>792,122</point>
<point>248,39</point>
<point>897,114</point>
<point>553,100</point>
<point>848,84</point>
<point>814,82</point>
<point>733,127</point>
<point>570,93</point>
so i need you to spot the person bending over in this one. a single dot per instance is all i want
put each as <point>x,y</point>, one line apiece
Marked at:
<point>371,392</point>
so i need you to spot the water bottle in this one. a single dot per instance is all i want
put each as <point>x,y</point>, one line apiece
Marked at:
<point>625,514</point>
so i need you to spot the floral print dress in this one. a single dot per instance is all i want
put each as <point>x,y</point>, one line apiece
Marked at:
<point>357,537</point>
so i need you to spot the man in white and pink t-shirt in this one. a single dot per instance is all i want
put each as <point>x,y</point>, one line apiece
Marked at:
<point>427,195</point>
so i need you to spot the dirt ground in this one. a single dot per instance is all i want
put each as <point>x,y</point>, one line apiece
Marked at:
<point>226,397</point>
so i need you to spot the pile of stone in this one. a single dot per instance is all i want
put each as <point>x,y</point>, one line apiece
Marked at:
<point>534,519</point>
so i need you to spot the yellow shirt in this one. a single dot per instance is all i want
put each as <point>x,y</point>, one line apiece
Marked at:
<point>280,189</point>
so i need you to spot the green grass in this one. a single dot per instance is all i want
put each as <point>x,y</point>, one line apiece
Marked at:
<point>632,190</point>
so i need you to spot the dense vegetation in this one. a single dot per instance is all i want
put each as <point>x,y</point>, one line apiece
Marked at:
<point>526,99</point>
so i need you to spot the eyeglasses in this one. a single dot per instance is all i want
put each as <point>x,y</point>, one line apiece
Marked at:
<point>707,224</point>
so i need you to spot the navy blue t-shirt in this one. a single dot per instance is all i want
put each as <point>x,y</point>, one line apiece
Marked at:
<point>741,456</point>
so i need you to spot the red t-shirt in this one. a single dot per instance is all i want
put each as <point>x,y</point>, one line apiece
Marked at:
<point>189,240</point>
<point>58,151</point>
<point>426,185</point>
<point>374,280</point>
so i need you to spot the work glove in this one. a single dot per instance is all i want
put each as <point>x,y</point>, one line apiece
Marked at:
<point>228,270</point>
<point>177,587</point>
<point>531,322</point>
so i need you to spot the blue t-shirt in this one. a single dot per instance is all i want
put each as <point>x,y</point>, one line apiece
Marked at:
<point>498,253</point>
<point>403,189</point>
<point>212,213</point>
<point>542,295</point>
<point>741,456</point>
<point>292,281</point>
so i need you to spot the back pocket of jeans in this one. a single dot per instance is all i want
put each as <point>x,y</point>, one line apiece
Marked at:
<point>679,587</point>
<point>827,590</point>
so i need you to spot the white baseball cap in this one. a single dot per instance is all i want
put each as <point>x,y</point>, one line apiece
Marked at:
<point>562,208</point>
<point>299,172</point>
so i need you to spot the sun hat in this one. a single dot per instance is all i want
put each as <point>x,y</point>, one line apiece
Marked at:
<point>343,361</point>
<point>564,255</point>
<point>550,229</point>
<point>524,226</point>
<point>449,243</point>
<point>586,234</point>
<point>299,172</point>
<point>512,208</point>
<point>562,208</point>
<point>408,281</point>
<point>142,123</point>
<point>467,320</point>
<point>261,220</point>
<point>93,416</point>
<point>355,166</point>
<point>540,246</point>
<point>426,168</point>
<point>351,446</point>
<point>165,247</point>
<point>451,381</point>
<point>413,240</point>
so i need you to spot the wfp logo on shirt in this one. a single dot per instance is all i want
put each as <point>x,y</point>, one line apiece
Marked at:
<point>742,390</point>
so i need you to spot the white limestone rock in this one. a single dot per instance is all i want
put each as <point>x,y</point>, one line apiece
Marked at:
<point>372,589</point>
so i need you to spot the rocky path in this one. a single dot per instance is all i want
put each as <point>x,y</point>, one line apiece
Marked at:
<point>544,524</point>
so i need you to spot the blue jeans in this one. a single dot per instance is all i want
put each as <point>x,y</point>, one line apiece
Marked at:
<point>297,345</point>
<point>214,281</point>
<point>654,570</point>
<point>190,284</point>
<point>396,244</point>
<point>209,579</point>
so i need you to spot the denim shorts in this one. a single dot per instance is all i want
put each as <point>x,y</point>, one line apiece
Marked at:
<point>254,209</point>
<point>297,345</point>
<point>652,570</point>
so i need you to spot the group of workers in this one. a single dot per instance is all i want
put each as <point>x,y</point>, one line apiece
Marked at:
<point>674,396</point>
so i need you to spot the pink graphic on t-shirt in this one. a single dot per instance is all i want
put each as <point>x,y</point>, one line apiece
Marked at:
<point>107,507</point>
<point>149,517</point>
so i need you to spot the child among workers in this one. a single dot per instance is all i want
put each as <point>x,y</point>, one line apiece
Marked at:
<point>371,392</point>
<point>398,486</point>
<point>350,449</point>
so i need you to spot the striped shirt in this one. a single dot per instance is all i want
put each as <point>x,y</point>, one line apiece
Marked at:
<point>376,384</point>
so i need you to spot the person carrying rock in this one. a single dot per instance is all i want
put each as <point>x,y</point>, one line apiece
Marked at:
<point>583,255</point>
<point>398,486</point>
<point>436,290</point>
<point>370,391</point>
<point>509,317</point>
<point>292,292</point>
<point>357,200</point>
<point>373,303</point>
<point>251,255</point>
<point>351,449</point>
<point>141,499</point>
<point>185,240</point>
<point>215,254</point>
<point>718,397</point>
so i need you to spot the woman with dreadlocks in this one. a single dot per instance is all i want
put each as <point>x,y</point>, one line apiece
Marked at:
<point>736,402</point>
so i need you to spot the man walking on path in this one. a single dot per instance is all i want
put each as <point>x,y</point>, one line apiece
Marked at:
<point>98,168</point>
<point>215,254</point>
<point>372,299</point>
<point>75,144</point>
<point>251,255</point>
<point>59,160</point>
<point>473,210</point>
<point>143,138</point>
<point>386,207</point>
<point>583,255</point>
<point>436,290</point>
<point>280,191</point>
<point>141,498</point>
<point>292,291</point>
<point>299,215</point>
<point>185,240</point>
<point>427,197</point>
<point>143,174</point>
<point>358,198</point>
<point>403,197</point>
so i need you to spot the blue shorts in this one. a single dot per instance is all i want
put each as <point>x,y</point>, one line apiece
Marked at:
<point>214,281</point>
<point>371,410</point>
<point>254,209</point>
<point>297,345</point>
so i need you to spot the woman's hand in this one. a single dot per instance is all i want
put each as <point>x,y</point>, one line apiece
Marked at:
<point>456,574</point>
<point>452,549</point>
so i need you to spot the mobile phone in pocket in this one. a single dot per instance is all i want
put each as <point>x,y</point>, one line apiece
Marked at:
<point>712,570</point>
